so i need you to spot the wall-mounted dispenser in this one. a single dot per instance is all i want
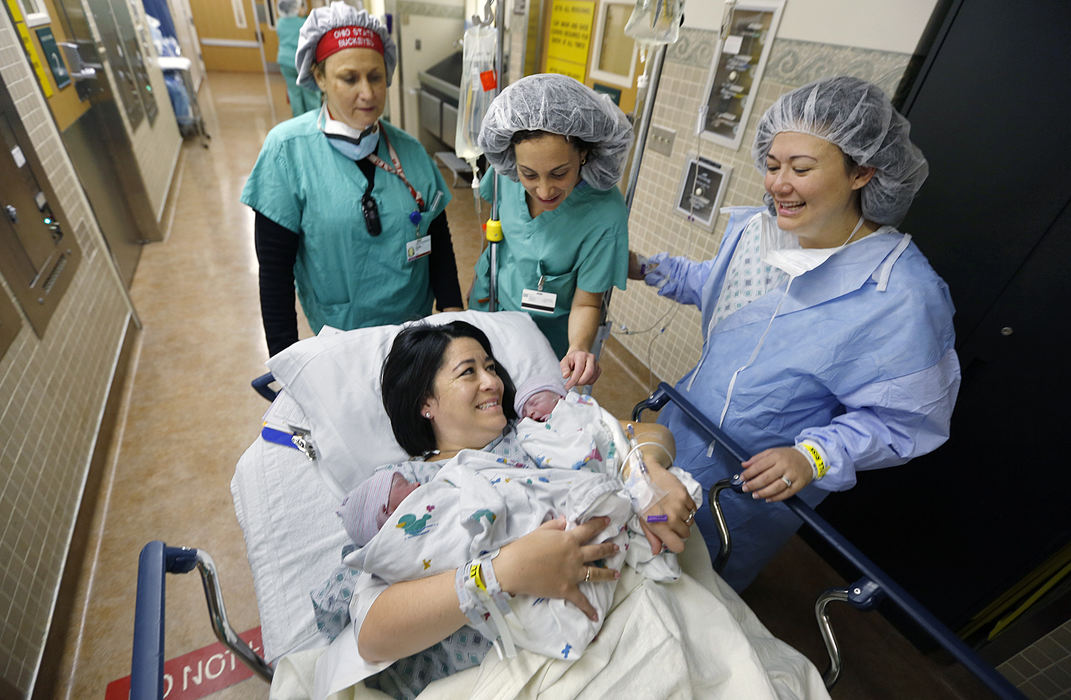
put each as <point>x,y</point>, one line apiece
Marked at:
<point>38,257</point>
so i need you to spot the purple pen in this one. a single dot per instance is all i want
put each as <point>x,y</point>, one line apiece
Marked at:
<point>657,518</point>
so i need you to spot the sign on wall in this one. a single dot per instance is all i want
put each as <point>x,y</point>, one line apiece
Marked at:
<point>569,37</point>
<point>53,57</point>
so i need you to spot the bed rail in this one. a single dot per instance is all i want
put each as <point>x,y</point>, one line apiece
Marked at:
<point>261,385</point>
<point>874,583</point>
<point>147,661</point>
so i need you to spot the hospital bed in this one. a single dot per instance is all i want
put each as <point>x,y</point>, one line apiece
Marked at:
<point>326,430</point>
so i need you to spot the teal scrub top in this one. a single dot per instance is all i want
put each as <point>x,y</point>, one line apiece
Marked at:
<point>345,277</point>
<point>581,244</point>
<point>288,29</point>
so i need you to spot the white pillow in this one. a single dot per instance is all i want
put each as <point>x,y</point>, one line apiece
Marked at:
<point>334,378</point>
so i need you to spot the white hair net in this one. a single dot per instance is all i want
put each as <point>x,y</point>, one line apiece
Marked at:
<point>857,118</point>
<point>561,105</point>
<point>322,20</point>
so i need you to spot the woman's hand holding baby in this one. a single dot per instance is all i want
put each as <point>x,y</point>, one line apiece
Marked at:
<point>551,562</point>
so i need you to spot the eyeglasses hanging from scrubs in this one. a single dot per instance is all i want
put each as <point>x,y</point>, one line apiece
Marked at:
<point>371,215</point>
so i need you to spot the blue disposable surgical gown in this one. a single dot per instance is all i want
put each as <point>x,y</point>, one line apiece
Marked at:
<point>865,370</point>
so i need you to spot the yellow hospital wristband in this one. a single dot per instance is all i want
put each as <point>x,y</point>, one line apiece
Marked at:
<point>819,464</point>
<point>475,572</point>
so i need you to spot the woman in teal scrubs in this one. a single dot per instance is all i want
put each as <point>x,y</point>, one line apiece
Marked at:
<point>561,148</point>
<point>349,209</point>
<point>287,27</point>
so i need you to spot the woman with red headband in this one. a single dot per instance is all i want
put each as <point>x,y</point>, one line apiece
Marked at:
<point>349,209</point>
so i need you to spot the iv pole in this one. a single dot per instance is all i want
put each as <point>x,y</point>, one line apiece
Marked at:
<point>494,225</point>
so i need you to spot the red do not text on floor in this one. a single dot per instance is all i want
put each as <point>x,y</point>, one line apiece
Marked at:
<point>199,673</point>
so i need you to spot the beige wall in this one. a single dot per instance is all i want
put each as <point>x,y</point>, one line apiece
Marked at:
<point>864,24</point>
<point>655,226</point>
<point>437,25</point>
<point>156,145</point>
<point>52,393</point>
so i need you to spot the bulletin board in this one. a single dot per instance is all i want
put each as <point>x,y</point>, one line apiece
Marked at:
<point>737,70</point>
<point>569,37</point>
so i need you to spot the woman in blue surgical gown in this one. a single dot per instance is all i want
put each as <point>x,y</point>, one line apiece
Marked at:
<point>828,337</point>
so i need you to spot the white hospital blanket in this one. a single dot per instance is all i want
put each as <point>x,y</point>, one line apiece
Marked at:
<point>479,502</point>
<point>691,639</point>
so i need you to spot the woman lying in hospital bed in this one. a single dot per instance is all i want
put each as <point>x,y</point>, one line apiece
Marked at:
<point>690,637</point>
<point>481,500</point>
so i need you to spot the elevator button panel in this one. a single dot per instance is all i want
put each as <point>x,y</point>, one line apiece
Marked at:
<point>38,257</point>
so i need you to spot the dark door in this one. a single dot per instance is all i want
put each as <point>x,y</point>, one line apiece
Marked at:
<point>990,111</point>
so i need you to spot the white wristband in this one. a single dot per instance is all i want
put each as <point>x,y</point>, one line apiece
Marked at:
<point>484,602</point>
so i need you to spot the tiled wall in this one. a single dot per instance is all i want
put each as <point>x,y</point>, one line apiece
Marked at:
<point>654,224</point>
<point>1043,669</point>
<point>52,394</point>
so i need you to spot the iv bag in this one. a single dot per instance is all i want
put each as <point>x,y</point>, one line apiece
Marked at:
<point>478,83</point>
<point>655,21</point>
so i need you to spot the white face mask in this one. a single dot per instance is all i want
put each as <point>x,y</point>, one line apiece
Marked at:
<point>348,141</point>
<point>783,251</point>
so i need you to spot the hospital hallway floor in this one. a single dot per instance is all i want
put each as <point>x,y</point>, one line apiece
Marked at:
<point>185,413</point>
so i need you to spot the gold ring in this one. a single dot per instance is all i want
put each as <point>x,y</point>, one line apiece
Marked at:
<point>587,574</point>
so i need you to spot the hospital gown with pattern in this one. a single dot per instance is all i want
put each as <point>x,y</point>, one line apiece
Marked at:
<point>480,501</point>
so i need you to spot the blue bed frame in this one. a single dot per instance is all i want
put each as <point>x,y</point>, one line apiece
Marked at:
<point>158,559</point>
<point>873,585</point>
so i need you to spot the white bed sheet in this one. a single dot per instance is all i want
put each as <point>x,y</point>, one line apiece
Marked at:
<point>293,538</point>
<point>286,506</point>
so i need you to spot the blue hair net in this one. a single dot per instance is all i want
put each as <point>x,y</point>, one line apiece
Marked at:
<point>322,20</point>
<point>856,117</point>
<point>561,105</point>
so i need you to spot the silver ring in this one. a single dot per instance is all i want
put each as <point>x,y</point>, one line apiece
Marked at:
<point>690,517</point>
<point>587,574</point>
<point>788,482</point>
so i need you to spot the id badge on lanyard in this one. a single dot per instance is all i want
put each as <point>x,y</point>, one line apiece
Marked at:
<point>538,300</point>
<point>421,245</point>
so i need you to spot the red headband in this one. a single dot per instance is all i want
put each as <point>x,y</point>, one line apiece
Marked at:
<point>341,38</point>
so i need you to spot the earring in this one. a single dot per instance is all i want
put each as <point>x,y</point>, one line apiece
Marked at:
<point>427,415</point>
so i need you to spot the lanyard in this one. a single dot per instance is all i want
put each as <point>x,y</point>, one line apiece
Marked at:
<point>396,170</point>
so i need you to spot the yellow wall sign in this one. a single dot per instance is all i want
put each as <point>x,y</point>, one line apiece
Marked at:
<point>16,13</point>
<point>569,37</point>
<point>35,59</point>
